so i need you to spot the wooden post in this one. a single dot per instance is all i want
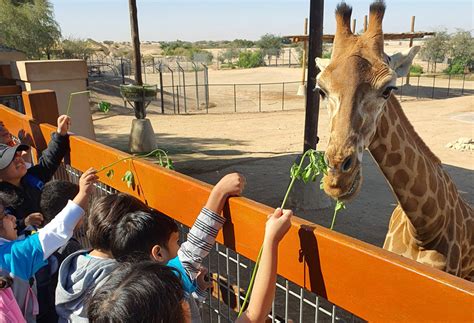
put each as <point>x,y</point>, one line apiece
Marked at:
<point>354,21</point>
<point>412,30</point>
<point>136,51</point>
<point>365,23</point>
<point>316,15</point>
<point>303,64</point>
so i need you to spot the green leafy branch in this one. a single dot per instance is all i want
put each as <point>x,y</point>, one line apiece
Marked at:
<point>70,99</point>
<point>104,106</point>
<point>161,158</point>
<point>310,172</point>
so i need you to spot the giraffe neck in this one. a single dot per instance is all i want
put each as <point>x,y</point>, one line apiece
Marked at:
<point>414,173</point>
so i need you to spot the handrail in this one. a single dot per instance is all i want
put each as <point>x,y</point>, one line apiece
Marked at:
<point>370,282</point>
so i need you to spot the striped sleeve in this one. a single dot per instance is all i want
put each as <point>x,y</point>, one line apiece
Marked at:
<point>201,239</point>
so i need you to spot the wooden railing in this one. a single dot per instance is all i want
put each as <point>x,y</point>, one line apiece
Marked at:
<point>370,282</point>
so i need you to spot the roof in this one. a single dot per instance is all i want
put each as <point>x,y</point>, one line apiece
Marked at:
<point>4,48</point>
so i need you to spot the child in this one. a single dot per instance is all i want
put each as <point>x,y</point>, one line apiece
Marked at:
<point>81,272</point>
<point>150,292</point>
<point>143,235</point>
<point>7,138</point>
<point>26,184</point>
<point>54,198</point>
<point>21,259</point>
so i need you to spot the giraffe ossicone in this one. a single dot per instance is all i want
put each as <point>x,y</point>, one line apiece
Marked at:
<point>432,223</point>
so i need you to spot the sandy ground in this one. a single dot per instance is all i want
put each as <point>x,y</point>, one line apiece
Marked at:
<point>262,146</point>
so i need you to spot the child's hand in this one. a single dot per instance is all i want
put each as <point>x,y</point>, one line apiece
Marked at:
<point>231,185</point>
<point>87,180</point>
<point>278,225</point>
<point>64,122</point>
<point>34,219</point>
<point>202,279</point>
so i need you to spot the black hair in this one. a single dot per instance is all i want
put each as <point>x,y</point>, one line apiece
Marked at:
<point>136,233</point>
<point>138,292</point>
<point>104,214</point>
<point>55,196</point>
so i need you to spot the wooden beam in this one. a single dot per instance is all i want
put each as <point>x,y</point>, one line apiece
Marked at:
<point>387,36</point>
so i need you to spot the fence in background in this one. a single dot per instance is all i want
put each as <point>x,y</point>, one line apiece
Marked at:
<point>371,283</point>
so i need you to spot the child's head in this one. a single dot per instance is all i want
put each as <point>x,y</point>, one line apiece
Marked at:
<point>140,292</point>
<point>104,214</point>
<point>12,165</point>
<point>7,221</point>
<point>145,235</point>
<point>5,135</point>
<point>55,196</point>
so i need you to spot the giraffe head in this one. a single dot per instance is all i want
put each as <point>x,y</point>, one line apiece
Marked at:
<point>356,83</point>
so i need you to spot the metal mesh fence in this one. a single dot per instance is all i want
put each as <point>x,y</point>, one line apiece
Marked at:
<point>230,275</point>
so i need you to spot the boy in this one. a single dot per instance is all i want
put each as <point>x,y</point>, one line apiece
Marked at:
<point>54,198</point>
<point>81,272</point>
<point>7,138</point>
<point>143,235</point>
<point>21,259</point>
<point>26,184</point>
<point>150,292</point>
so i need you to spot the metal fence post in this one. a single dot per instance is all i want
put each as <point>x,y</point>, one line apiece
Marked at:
<point>197,83</point>
<point>259,97</point>
<point>184,88</point>
<point>161,89</point>
<point>418,86</point>
<point>177,94</point>
<point>206,86</point>
<point>432,91</point>
<point>235,100</point>
<point>449,84</point>
<point>172,88</point>
<point>283,96</point>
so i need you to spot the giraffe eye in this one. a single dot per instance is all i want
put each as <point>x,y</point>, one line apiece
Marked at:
<point>386,93</point>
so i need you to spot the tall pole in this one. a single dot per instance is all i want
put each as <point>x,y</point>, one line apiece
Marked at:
<point>139,107</point>
<point>412,29</point>
<point>354,22</point>
<point>316,14</point>
<point>303,64</point>
<point>365,23</point>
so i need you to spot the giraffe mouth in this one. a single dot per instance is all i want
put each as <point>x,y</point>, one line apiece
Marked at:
<point>353,189</point>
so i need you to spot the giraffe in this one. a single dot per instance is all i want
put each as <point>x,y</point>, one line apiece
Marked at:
<point>431,224</point>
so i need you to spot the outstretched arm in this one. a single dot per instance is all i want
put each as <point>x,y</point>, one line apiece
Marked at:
<point>202,236</point>
<point>264,289</point>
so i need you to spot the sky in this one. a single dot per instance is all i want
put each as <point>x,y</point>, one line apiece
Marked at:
<point>194,20</point>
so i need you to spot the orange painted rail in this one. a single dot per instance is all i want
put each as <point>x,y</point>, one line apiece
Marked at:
<point>372,283</point>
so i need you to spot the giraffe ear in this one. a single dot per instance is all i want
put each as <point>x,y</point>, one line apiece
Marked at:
<point>322,63</point>
<point>401,62</point>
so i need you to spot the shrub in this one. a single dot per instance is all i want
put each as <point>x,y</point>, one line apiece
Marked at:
<point>416,69</point>
<point>456,67</point>
<point>250,59</point>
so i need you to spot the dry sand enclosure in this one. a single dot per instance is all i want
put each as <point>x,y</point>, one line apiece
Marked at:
<point>262,146</point>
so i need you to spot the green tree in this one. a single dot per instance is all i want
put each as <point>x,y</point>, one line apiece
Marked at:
<point>461,51</point>
<point>249,59</point>
<point>75,48</point>
<point>436,48</point>
<point>29,26</point>
<point>270,45</point>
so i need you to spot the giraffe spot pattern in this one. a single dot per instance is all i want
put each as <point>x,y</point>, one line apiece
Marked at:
<point>429,207</point>
<point>384,127</point>
<point>393,159</point>
<point>419,188</point>
<point>395,142</point>
<point>433,181</point>
<point>409,157</point>
<point>441,198</point>
<point>400,179</point>
<point>392,115</point>
<point>401,132</point>
<point>410,205</point>
<point>379,152</point>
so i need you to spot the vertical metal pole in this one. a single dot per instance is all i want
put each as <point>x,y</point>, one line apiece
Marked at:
<point>289,57</point>
<point>153,65</point>
<point>283,97</point>
<point>354,22</point>
<point>197,83</point>
<point>172,87</point>
<point>177,94</point>
<point>418,86</point>
<point>432,91</point>
<point>449,84</point>
<point>315,50</point>
<point>161,89</point>
<point>235,100</point>
<point>144,68</point>
<point>365,23</point>
<point>259,97</point>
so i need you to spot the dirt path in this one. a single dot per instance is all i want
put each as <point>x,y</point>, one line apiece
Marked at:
<point>263,146</point>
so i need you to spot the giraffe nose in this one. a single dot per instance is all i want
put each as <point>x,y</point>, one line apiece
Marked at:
<point>347,163</point>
